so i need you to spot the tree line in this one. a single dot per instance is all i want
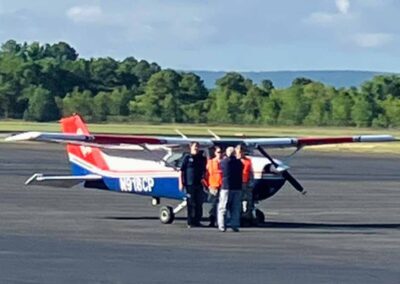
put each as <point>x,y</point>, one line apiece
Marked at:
<point>43,82</point>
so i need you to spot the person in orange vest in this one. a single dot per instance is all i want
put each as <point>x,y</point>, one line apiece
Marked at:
<point>248,180</point>
<point>214,182</point>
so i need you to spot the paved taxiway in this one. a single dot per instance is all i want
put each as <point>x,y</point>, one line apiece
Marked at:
<point>346,230</point>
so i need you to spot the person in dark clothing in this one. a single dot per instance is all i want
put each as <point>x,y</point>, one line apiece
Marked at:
<point>192,173</point>
<point>230,196</point>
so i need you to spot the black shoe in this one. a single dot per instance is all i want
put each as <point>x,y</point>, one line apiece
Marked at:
<point>212,220</point>
<point>212,224</point>
<point>236,230</point>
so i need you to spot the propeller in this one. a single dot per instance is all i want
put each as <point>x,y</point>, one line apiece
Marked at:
<point>284,173</point>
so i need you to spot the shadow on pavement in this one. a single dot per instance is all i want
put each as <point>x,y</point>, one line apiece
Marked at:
<point>137,218</point>
<point>296,225</point>
<point>279,225</point>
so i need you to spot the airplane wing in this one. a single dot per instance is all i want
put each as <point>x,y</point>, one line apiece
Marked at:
<point>133,142</point>
<point>60,181</point>
<point>313,141</point>
<point>123,142</point>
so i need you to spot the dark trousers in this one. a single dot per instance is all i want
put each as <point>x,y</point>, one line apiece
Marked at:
<point>194,204</point>
<point>213,196</point>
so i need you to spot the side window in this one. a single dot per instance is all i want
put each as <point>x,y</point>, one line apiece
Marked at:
<point>176,159</point>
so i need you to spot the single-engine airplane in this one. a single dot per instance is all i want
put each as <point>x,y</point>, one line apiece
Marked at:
<point>93,168</point>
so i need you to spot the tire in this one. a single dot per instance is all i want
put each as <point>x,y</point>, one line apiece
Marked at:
<point>245,222</point>
<point>260,217</point>
<point>167,215</point>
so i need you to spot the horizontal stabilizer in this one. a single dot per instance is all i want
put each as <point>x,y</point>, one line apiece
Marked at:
<point>60,181</point>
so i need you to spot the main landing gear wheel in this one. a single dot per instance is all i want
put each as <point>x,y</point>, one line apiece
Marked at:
<point>260,217</point>
<point>167,215</point>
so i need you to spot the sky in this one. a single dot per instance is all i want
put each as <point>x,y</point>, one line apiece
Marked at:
<point>217,35</point>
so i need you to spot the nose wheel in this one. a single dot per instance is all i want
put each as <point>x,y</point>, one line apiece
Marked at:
<point>260,216</point>
<point>254,218</point>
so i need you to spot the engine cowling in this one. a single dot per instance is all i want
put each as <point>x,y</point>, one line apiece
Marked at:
<point>267,180</point>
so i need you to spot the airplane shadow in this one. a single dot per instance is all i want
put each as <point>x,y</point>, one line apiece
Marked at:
<point>126,218</point>
<point>300,225</point>
<point>282,225</point>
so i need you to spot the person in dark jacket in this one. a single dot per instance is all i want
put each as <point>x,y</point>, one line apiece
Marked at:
<point>191,175</point>
<point>230,196</point>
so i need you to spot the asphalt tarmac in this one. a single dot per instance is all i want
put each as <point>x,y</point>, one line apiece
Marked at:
<point>345,230</point>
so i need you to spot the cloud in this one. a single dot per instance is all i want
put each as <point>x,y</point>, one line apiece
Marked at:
<point>85,13</point>
<point>185,25</point>
<point>321,18</point>
<point>343,6</point>
<point>372,40</point>
<point>359,27</point>
<point>328,18</point>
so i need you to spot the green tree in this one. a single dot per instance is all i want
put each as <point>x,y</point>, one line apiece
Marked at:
<point>233,81</point>
<point>219,109</point>
<point>11,84</point>
<point>78,102</point>
<point>252,105</point>
<point>61,51</point>
<point>342,105</point>
<point>161,98</point>
<point>234,107</point>
<point>362,111</point>
<point>192,88</point>
<point>125,73</point>
<point>11,47</point>
<point>267,85</point>
<point>271,108</point>
<point>143,70</point>
<point>319,97</point>
<point>101,106</point>
<point>301,81</point>
<point>294,106</point>
<point>119,101</point>
<point>7,98</point>
<point>391,107</point>
<point>319,113</point>
<point>193,95</point>
<point>41,106</point>
<point>34,51</point>
<point>380,87</point>
<point>103,73</point>
<point>195,112</point>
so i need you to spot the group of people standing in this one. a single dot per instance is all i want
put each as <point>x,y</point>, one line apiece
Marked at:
<point>229,182</point>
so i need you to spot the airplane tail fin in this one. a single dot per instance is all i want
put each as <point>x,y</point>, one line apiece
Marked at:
<point>83,158</point>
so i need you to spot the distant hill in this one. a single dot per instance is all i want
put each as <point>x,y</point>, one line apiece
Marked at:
<point>283,79</point>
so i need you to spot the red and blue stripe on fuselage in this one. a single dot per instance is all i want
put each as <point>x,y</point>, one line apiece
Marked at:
<point>119,174</point>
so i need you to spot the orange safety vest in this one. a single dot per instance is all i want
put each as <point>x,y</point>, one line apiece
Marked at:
<point>247,169</point>
<point>214,173</point>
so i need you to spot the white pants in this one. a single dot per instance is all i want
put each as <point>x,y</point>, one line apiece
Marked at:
<point>229,200</point>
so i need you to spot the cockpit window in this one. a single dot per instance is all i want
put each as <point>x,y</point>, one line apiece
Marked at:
<point>175,159</point>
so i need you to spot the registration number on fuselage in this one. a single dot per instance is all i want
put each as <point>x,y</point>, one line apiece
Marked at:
<point>136,184</point>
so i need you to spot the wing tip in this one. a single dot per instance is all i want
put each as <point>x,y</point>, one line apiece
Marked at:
<point>377,138</point>
<point>25,136</point>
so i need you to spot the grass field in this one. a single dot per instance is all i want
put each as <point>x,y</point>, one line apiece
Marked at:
<point>228,130</point>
